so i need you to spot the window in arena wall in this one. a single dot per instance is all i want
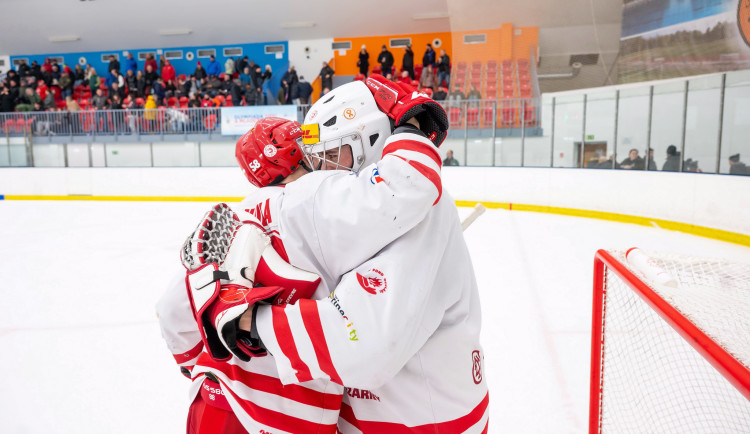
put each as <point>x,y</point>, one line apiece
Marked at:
<point>341,45</point>
<point>172,55</point>
<point>274,49</point>
<point>143,55</point>
<point>59,59</point>
<point>206,52</point>
<point>17,62</point>
<point>105,57</point>
<point>232,52</point>
<point>479,38</point>
<point>400,42</point>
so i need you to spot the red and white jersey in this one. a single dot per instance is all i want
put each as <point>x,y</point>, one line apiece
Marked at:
<point>400,331</point>
<point>326,223</point>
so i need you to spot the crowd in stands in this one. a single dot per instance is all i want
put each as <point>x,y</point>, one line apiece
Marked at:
<point>671,164</point>
<point>53,87</point>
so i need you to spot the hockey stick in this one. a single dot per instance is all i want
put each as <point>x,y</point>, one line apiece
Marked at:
<point>478,210</point>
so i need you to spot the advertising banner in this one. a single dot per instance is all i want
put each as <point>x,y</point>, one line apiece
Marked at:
<point>236,121</point>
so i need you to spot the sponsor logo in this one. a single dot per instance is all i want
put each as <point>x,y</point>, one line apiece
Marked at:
<point>288,299</point>
<point>213,390</point>
<point>743,20</point>
<point>349,113</point>
<point>361,394</point>
<point>349,324</point>
<point>375,178</point>
<point>232,293</point>
<point>373,281</point>
<point>476,369</point>
<point>313,114</point>
<point>269,151</point>
<point>433,135</point>
<point>310,134</point>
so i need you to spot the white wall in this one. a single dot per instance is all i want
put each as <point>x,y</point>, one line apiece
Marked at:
<point>308,63</point>
<point>715,201</point>
<point>5,60</point>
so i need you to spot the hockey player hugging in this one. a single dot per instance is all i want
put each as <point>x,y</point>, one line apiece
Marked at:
<point>340,295</point>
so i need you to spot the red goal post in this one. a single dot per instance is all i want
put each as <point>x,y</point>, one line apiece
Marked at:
<point>669,358</point>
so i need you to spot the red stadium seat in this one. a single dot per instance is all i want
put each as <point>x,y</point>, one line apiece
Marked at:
<point>139,102</point>
<point>414,84</point>
<point>491,93</point>
<point>454,113</point>
<point>377,70</point>
<point>172,101</point>
<point>418,70</point>
<point>472,117</point>
<point>359,77</point>
<point>476,65</point>
<point>492,65</point>
<point>487,118</point>
<point>210,122</point>
<point>461,66</point>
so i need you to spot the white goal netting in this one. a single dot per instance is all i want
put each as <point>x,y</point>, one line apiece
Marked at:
<point>652,379</point>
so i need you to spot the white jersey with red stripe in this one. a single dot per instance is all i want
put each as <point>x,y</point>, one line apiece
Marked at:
<point>318,217</point>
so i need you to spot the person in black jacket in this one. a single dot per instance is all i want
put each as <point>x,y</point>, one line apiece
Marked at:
<point>364,61</point>
<point>304,90</point>
<point>673,160</point>
<point>428,59</point>
<point>444,69</point>
<point>633,161</point>
<point>236,91</point>
<point>326,78</point>
<point>289,85</point>
<point>737,167</point>
<point>408,62</point>
<point>114,64</point>
<point>386,61</point>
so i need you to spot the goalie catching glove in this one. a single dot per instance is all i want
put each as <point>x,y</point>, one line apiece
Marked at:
<point>402,102</point>
<point>230,280</point>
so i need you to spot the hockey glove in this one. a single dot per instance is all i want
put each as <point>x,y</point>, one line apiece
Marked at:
<point>402,102</point>
<point>210,241</point>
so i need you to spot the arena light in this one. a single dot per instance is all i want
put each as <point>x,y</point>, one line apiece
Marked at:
<point>67,38</point>
<point>297,24</point>
<point>175,32</point>
<point>430,16</point>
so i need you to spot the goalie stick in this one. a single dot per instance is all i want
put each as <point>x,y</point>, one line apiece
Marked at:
<point>478,210</point>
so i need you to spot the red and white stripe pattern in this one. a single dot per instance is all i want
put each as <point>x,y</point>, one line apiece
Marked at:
<point>420,153</point>
<point>304,355</point>
<point>261,402</point>
<point>477,421</point>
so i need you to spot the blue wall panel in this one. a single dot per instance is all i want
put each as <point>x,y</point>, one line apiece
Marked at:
<point>255,51</point>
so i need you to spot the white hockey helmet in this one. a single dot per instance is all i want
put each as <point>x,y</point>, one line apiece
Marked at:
<point>347,115</point>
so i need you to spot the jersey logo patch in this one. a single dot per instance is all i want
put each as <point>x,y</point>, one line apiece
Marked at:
<point>375,178</point>
<point>373,281</point>
<point>476,367</point>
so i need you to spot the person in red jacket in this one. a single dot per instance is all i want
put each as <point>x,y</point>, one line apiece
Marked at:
<point>167,73</point>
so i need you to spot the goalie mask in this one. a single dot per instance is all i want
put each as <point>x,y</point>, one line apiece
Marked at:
<point>269,152</point>
<point>347,115</point>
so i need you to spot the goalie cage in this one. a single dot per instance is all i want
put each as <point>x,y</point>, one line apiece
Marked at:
<point>667,359</point>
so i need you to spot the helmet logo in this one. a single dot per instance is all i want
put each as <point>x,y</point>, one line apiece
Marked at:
<point>310,134</point>
<point>269,151</point>
<point>349,113</point>
<point>255,165</point>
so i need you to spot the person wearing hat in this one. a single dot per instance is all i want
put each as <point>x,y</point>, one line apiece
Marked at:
<point>386,61</point>
<point>673,160</point>
<point>408,62</point>
<point>737,167</point>
<point>364,61</point>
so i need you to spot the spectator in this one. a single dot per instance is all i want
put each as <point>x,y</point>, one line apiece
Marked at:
<point>24,70</point>
<point>79,76</point>
<point>117,90</point>
<point>364,61</point>
<point>100,102</point>
<point>385,58</point>
<point>131,81</point>
<point>407,64</point>
<point>150,113</point>
<point>304,90</point>
<point>160,91</point>
<point>193,101</point>
<point>404,78</point>
<point>183,86</point>
<point>444,69</point>
<point>176,119</point>
<point>36,70</point>
<point>150,76</point>
<point>289,85</point>
<point>428,78</point>
<point>633,161</point>
<point>270,100</point>
<point>150,61</point>
<point>131,64</point>
<point>72,104</point>
<point>167,73</point>
<point>240,65</point>
<point>28,100</point>
<point>66,84</point>
<point>692,166</point>
<point>115,102</point>
<point>474,93</point>
<point>428,59</point>
<point>440,94</point>
<point>737,167</point>
<point>140,83</point>
<point>257,81</point>
<point>673,160</point>
<point>114,64</point>
<point>236,90</point>
<point>200,72</point>
<point>213,67</point>
<point>456,96</point>
<point>229,66</point>
<point>93,80</point>
<point>326,77</point>
<point>6,100</point>
<point>449,160</point>
<point>651,162</point>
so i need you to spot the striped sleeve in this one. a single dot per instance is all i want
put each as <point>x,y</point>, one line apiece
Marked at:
<point>419,153</point>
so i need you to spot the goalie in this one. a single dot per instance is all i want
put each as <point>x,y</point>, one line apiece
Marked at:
<point>331,223</point>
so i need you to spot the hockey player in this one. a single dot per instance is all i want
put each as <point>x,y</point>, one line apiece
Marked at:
<point>401,331</point>
<point>409,194</point>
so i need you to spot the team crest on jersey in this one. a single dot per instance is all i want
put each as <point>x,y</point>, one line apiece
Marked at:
<point>375,177</point>
<point>476,369</point>
<point>269,151</point>
<point>373,281</point>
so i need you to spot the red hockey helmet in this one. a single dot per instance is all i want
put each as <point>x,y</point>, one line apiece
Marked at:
<point>269,152</point>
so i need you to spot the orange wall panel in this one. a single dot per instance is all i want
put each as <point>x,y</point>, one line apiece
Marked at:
<point>468,53</point>
<point>523,43</point>
<point>346,64</point>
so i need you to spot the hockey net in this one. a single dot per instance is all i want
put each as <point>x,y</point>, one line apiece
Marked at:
<point>670,359</point>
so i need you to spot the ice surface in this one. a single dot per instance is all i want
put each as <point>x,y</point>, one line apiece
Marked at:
<point>82,352</point>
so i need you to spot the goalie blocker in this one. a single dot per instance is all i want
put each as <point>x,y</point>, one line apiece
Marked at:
<point>240,270</point>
